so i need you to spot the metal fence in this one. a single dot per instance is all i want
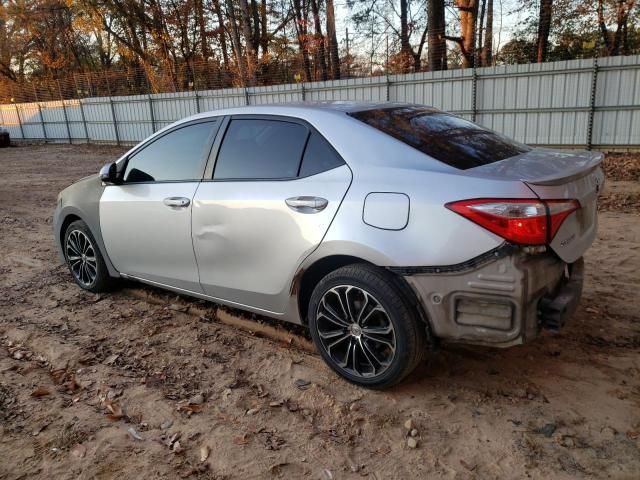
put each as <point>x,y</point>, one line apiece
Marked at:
<point>577,103</point>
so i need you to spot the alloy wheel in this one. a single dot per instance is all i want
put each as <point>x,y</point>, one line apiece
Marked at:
<point>355,330</point>
<point>81,256</point>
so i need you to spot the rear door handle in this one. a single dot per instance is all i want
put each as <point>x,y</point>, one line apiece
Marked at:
<point>307,204</point>
<point>179,202</point>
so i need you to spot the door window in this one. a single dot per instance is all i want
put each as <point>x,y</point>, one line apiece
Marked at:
<point>319,156</point>
<point>176,156</point>
<point>260,149</point>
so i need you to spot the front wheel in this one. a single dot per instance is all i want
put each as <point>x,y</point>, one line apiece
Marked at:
<point>364,327</point>
<point>84,259</point>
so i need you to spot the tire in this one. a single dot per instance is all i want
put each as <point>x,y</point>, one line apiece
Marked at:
<point>374,301</point>
<point>5,141</point>
<point>85,260</point>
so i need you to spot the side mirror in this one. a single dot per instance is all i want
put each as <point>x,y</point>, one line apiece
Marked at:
<point>109,174</point>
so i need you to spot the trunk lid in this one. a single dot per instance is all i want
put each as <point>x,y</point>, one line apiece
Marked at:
<point>554,174</point>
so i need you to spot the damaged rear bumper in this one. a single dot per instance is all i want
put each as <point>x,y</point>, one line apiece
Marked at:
<point>502,298</point>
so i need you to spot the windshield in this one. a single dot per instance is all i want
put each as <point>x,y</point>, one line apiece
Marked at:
<point>445,137</point>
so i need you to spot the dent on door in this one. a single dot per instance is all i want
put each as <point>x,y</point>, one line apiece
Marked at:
<point>249,239</point>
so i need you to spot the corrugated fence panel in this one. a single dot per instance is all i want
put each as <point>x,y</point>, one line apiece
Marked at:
<point>617,116</point>
<point>134,117</point>
<point>9,119</point>
<point>169,107</point>
<point>99,118</point>
<point>540,104</point>
<point>217,99</point>
<point>449,90</point>
<point>31,120</point>
<point>358,89</point>
<point>54,120</point>
<point>74,116</point>
<point>543,104</point>
<point>275,94</point>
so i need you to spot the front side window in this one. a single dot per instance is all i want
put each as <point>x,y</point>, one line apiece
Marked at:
<point>447,138</point>
<point>176,156</point>
<point>260,149</point>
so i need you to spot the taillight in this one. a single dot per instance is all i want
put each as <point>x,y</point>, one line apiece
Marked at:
<point>521,221</point>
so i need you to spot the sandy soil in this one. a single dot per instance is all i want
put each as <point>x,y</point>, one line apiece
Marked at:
<point>141,383</point>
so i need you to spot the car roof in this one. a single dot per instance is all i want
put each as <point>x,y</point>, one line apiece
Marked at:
<point>300,109</point>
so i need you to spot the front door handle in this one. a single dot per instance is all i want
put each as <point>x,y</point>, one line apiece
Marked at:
<point>307,204</point>
<point>179,202</point>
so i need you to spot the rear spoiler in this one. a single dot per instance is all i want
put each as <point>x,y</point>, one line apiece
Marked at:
<point>550,181</point>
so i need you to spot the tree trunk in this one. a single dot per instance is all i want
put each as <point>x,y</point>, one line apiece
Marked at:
<point>248,38</point>
<point>480,29</point>
<point>264,36</point>
<point>544,27</point>
<point>332,40</point>
<point>235,41</point>
<point>221,35</point>
<point>301,31</point>
<point>468,15</point>
<point>203,29</point>
<point>321,58</point>
<point>622,18</point>
<point>436,30</point>
<point>487,50</point>
<point>406,53</point>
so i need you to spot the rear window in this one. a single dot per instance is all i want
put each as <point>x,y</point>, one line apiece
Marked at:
<point>447,138</point>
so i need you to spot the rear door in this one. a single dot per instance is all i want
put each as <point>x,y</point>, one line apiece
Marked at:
<point>146,220</point>
<point>275,188</point>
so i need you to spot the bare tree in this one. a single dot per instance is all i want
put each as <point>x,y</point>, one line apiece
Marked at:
<point>436,32</point>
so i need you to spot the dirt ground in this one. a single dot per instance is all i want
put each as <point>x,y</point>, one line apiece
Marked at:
<point>140,383</point>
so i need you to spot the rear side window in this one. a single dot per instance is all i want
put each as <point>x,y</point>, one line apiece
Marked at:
<point>447,138</point>
<point>176,156</point>
<point>319,157</point>
<point>260,149</point>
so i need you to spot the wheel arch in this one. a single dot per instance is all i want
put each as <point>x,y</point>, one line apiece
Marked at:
<point>308,278</point>
<point>66,218</point>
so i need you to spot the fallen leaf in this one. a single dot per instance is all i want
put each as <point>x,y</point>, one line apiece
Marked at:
<point>276,469</point>
<point>177,448</point>
<point>189,409</point>
<point>79,451</point>
<point>115,410</point>
<point>302,384</point>
<point>111,359</point>
<point>241,440</point>
<point>40,392</point>
<point>204,453</point>
<point>131,431</point>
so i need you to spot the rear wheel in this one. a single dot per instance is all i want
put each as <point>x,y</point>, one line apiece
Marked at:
<point>84,259</point>
<point>364,327</point>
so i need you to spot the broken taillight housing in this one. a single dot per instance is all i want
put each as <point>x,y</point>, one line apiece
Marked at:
<point>521,221</point>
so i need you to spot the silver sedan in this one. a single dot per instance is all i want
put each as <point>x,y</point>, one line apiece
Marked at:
<point>385,228</point>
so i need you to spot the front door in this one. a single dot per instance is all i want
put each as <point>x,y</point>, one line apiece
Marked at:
<point>276,187</point>
<point>146,220</point>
